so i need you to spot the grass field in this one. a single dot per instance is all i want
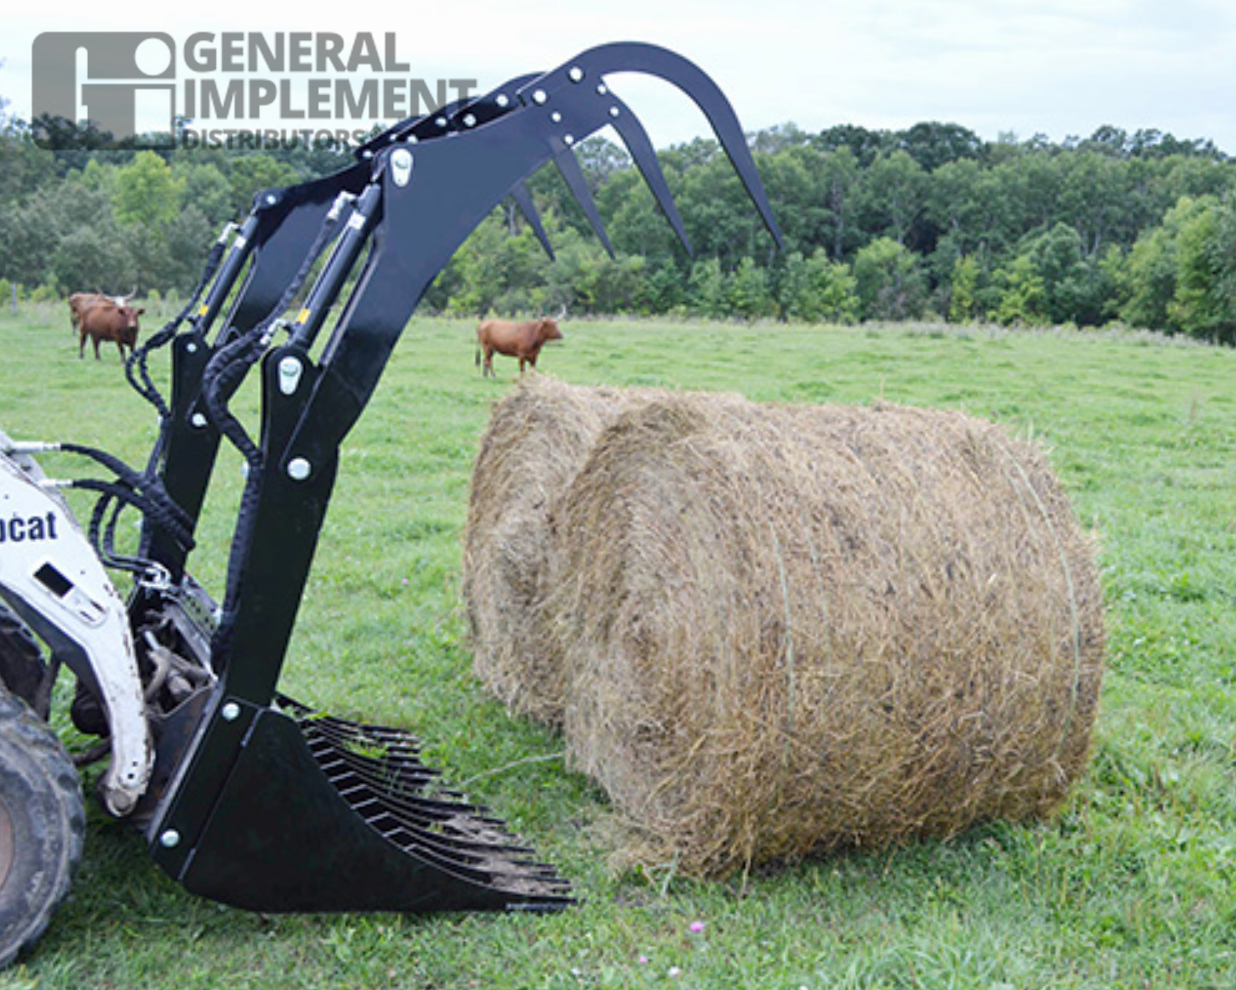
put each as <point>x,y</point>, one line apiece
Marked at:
<point>1132,886</point>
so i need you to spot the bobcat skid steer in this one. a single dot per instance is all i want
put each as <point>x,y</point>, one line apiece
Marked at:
<point>244,795</point>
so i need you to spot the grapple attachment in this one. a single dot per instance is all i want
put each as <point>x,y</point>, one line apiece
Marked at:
<point>317,813</point>
<point>258,801</point>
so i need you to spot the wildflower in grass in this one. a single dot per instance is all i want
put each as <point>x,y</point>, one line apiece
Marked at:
<point>696,927</point>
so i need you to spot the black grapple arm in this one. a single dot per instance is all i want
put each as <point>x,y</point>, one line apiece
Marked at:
<point>266,805</point>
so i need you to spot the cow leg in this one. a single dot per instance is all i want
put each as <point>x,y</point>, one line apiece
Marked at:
<point>96,347</point>
<point>81,345</point>
<point>488,370</point>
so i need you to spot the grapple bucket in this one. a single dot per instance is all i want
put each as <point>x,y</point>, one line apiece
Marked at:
<point>256,800</point>
<point>315,813</point>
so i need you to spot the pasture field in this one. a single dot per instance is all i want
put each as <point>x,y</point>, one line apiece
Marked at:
<point>1133,885</point>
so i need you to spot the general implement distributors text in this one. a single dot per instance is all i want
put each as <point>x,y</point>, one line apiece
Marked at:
<point>307,76</point>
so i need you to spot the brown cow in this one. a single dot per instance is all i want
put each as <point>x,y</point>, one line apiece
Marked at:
<point>517,339</point>
<point>79,302</point>
<point>107,321</point>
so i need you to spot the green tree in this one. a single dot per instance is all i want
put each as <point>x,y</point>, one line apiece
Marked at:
<point>894,196</point>
<point>1204,304</point>
<point>889,282</point>
<point>86,258</point>
<point>145,192</point>
<point>963,290</point>
<point>933,144</point>
<point>818,290</point>
<point>170,256</point>
<point>1147,283</point>
<point>1094,200</point>
<point>747,293</point>
<point>706,293</point>
<point>1057,258</point>
<point>24,167</point>
<point>840,232</point>
<point>718,215</point>
<point>205,188</point>
<point>250,174</point>
<point>1022,299</point>
<point>33,236</point>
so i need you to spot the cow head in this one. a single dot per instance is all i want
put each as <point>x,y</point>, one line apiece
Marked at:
<point>549,329</point>
<point>129,327</point>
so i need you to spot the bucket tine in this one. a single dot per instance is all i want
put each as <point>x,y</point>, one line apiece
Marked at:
<point>688,77</point>
<point>317,813</point>
<point>574,176</point>
<point>523,199</point>
<point>642,152</point>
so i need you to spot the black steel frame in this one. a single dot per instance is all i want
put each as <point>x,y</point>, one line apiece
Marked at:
<point>244,816</point>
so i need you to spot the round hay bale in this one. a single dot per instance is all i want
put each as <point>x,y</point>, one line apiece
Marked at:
<point>537,438</point>
<point>795,629</point>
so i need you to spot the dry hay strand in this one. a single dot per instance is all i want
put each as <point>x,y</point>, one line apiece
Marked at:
<point>789,630</point>
<point>537,438</point>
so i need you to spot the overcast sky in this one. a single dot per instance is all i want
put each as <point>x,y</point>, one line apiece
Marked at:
<point>1051,67</point>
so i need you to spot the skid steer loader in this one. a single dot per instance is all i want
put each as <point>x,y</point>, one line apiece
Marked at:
<point>244,795</point>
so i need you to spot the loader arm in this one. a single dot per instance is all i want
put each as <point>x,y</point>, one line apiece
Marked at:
<point>259,786</point>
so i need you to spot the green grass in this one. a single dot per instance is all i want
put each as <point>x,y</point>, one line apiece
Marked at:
<point>1133,885</point>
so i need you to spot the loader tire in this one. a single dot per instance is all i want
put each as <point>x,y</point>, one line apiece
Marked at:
<point>42,825</point>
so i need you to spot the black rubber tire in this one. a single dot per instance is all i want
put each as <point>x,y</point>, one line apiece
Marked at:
<point>42,825</point>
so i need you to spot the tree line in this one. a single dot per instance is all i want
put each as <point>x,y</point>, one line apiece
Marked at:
<point>927,223</point>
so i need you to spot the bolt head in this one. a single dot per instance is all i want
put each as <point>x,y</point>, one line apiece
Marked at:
<point>169,839</point>
<point>299,469</point>
<point>231,712</point>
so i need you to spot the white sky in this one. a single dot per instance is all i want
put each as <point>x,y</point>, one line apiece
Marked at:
<point>1055,67</point>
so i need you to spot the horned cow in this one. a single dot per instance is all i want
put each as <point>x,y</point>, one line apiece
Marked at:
<point>79,302</point>
<point>520,339</point>
<point>105,320</point>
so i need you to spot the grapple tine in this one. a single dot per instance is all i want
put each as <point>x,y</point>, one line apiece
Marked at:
<point>574,176</point>
<point>382,832</point>
<point>642,152</point>
<point>523,199</point>
<point>688,77</point>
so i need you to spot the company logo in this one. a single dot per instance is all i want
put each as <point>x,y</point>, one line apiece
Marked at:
<point>135,88</point>
<point>101,77</point>
<point>19,529</point>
